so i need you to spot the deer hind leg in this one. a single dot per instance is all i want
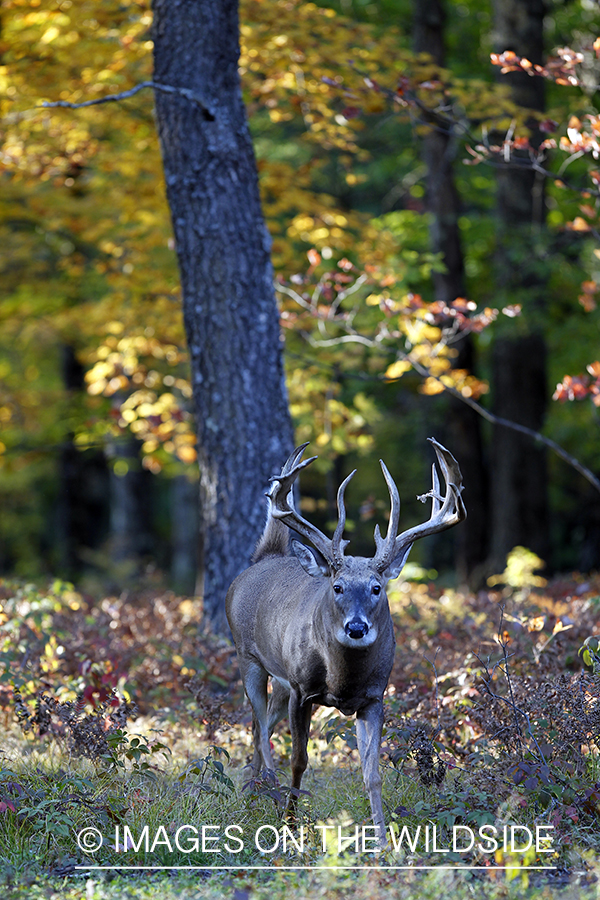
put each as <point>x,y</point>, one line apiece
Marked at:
<point>279,702</point>
<point>300,728</point>
<point>255,679</point>
<point>369,724</point>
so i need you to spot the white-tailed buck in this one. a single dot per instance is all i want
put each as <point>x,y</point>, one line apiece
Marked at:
<point>318,622</point>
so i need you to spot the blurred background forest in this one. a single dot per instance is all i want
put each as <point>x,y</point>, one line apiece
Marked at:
<point>399,171</point>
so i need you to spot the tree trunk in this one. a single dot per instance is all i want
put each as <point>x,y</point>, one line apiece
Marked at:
<point>68,531</point>
<point>519,480</point>
<point>131,535</point>
<point>464,426</point>
<point>184,534</point>
<point>82,505</point>
<point>230,312</point>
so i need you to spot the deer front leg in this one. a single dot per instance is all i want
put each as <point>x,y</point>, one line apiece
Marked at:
<point>255,683</point>
<point>300,728</point>
<point>369,725</point>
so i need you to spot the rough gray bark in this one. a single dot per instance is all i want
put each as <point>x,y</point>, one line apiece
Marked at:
<point>464,427</point>
<point>230,312</point>
<point>519,380</point>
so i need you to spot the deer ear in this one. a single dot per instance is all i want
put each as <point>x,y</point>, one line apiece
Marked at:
<point>396,566</point>
<point>310,559</point>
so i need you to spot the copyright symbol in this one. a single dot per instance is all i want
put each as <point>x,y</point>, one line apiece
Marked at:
<point>89,840</point>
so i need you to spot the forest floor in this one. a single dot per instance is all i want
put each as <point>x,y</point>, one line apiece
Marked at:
<point>125,725</point>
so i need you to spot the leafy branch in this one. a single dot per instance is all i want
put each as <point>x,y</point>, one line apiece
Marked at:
<point>506,423</point>
<point>322,315</point>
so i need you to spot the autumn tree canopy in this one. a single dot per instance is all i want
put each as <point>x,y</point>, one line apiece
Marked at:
<point>345,113</point>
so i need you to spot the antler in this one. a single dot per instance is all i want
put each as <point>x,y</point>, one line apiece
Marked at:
<point>446,511</point>
<point>386,548</point>
<point>282,507</point>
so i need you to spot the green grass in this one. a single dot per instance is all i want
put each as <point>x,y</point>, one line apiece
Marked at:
<point>63,795</point>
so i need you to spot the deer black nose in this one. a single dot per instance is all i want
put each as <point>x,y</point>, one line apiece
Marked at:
<point>356,629</point>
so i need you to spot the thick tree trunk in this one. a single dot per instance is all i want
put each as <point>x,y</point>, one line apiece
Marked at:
<point>519,480</point>
<point>231,318</point>
<point>464,426</point>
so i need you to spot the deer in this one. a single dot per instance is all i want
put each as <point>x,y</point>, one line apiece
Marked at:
<point>318,623</point>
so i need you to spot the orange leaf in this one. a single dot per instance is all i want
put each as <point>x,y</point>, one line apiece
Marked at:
<point>594,369</point>
<point>578,224</point>
<point>536,624</point>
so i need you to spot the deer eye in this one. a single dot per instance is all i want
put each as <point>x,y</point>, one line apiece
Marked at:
<point>376,589</point>
<point>337,589</point>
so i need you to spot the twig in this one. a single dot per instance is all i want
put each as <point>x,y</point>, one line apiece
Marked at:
<point>487,680</point>
<point>504,644</point>
<point>446,122</point>
<point>480,410</point>
<point>437,697</point>
<point>124,95</point>
<point>506,423</point>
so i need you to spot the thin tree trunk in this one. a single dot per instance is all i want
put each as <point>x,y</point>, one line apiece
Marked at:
<point>184,534</point>
<point>82,504</point>
<point>464,426</point>
<point>231,317</point>
<point>519,380</point>
<point>68,533</point>
<point>131,537</point>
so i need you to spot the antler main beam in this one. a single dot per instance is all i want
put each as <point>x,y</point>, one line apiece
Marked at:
<point>446,511</point>
<point>283,508</point>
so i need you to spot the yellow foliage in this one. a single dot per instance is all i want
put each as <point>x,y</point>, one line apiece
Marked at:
<point>521,563</point>
<point>85,183</point>
<point>397,369</point>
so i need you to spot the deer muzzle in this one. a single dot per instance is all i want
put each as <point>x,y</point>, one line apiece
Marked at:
<point>356,628</point>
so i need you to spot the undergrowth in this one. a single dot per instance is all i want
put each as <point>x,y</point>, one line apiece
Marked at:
<point>132,723</point>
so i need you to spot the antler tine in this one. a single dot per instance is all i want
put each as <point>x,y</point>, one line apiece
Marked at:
<point>337,544</point>
<point>446,511</point>
<point>452,473</point>
<point>282,503</point>
<point>289,472</point>
<point>294,458</point>
<point>386,548</point>
<point>435,492</point>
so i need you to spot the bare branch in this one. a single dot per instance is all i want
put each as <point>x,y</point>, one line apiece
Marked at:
<point>511,703</point>
<point>445,121</point>
<point>298,298</point>
<point>124,95</point>
<point>506,423</point>
<point>342,339</point>
<point>354,338</point>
